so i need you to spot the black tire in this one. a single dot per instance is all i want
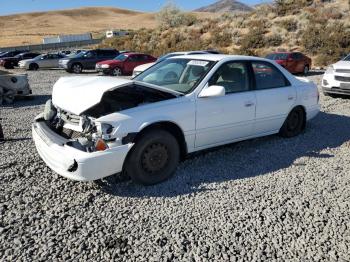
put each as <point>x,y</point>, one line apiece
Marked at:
<point>77,68</point>
<point>33,67</point>
<point>8,65</point>
<point>153,158</point>
<point>294,123</point>
<point>1,96</point>
<point>117,72</point>
<point>306,70</point>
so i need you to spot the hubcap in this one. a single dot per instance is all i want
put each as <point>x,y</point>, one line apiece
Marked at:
<point>76,69</point>
<point>117,72</point>
<point>155,158</point>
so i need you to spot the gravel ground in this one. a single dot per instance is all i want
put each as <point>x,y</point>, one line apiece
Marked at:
<point>265,199</point>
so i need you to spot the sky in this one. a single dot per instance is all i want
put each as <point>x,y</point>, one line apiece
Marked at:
<point>23,6</point>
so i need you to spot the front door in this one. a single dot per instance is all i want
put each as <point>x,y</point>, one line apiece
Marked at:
<point>231,117</point>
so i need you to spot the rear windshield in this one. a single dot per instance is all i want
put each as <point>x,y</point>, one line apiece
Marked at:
<point>281,56</point>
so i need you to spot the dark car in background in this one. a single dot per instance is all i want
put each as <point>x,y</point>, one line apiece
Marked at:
<point>11,53</point>
<point>294,62</point>
<point>124,64</point>
<point>11,62</point>
<point>87,60</point>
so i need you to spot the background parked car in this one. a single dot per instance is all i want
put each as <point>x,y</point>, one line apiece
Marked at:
<point>11,53</point>
<point>12,85</point>
<point>87,60</point>
<point>11,62</point>
<point>124,64</point>
<point>336,79</point>
<point>294,62</point>
<point>41,61</point>
<point>141,68</point>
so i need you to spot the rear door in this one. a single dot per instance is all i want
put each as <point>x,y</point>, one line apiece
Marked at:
<point>132,61</point>
<point>275,97</point>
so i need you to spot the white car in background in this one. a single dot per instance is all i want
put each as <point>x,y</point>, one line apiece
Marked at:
<point>99,126</point>
<point>336,80</point>
<point>41,61</point>
<point>13,85</point>
<point>144,67</point>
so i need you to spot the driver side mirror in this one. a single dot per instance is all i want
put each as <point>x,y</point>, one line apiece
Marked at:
<point>212,91</point>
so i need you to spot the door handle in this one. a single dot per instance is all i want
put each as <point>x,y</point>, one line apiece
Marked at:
<point>290,98</point>
<point>248,104</point>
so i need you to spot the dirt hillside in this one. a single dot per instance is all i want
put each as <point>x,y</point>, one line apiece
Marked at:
<point>30,28</point>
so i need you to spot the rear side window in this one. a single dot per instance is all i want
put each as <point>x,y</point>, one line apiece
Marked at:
<point>267,76</point>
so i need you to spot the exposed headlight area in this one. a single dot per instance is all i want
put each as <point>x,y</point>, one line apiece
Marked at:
<point>83,132</point>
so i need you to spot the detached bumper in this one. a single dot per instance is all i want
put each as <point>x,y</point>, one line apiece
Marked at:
<point>75,164</point>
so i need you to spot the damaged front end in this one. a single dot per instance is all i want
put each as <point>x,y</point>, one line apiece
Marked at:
<point>82,132</point>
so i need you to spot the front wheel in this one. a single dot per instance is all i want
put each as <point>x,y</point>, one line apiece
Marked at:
<point>294,123</point>
<point>77,68</point>
<point>154,158</point>
<point>33,67</point>
<point>117,72</point>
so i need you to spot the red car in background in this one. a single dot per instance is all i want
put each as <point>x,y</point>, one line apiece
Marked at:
<point>124,64</point>
<point>294,62</point>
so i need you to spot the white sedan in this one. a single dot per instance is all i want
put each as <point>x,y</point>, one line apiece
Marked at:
<point>99,126</point>
<point>336,80</point>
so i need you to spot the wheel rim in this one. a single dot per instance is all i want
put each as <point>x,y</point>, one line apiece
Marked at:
<point>293,121</point>
<point>77,68</point>
<point>117,72</point>
<point>155,158</point>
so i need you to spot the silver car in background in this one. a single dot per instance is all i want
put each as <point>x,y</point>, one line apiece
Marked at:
<point>41,61</point>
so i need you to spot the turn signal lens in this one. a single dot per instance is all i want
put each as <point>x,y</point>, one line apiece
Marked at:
<point>101,145</point>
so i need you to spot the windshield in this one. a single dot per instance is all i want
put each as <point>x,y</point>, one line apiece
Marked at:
<point>347,58</point>
<point>282,56</point>
<point>178,74</point>
<point>121,57</point>
<point>162,58</point>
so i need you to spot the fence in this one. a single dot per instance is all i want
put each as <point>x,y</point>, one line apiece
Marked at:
<point>53,46</point>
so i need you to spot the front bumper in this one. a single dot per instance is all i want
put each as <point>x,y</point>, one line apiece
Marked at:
<point>331,84</point>
<point>75,164</point>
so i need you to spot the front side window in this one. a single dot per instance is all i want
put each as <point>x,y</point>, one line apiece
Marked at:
<point>121,57</point>
<point>232,76</point>
<point>347,58</point>
<point>267,76</point>
<point>178,74</point>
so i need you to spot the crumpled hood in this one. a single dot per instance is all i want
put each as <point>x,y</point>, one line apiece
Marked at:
<point>77,94</point>
<point>342,65</point>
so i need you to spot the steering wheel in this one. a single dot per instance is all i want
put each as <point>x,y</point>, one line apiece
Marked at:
<point>170,76</point>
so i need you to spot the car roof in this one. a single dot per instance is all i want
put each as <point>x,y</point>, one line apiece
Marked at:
<point>220,57</point>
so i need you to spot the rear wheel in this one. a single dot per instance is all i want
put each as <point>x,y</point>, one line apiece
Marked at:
<point>33,67</point>
<point>154,158</point>
<point>77,68</point>
<point>294,123</point>
<point>306,70</point>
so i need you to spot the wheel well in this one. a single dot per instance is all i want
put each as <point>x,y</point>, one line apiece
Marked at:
<point>304,112</point>
<point>76,63</point>
<point>170,127</point>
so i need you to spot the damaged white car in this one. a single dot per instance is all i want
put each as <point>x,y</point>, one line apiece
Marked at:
<point>99,126</point>
<point>13,85</point>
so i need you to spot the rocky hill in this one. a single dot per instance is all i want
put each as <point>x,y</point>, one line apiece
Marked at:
<point>224,6</point>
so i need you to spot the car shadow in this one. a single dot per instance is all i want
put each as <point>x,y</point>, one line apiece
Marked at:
<point>24,101</point>
<point>247,159</point>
